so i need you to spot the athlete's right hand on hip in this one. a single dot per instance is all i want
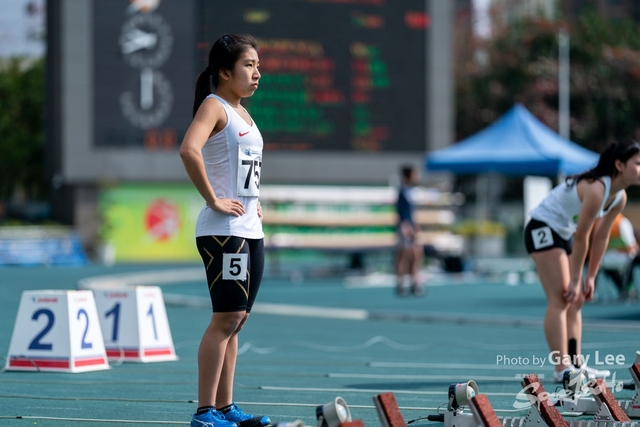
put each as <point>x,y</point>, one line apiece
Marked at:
<point>227,206</point>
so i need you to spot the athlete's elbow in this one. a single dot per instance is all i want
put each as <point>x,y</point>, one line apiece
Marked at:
<point>187,153</point>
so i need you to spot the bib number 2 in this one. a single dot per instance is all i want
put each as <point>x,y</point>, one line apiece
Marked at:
<point>542,237</point>
<point>234,266</point>
<point>249,167</point>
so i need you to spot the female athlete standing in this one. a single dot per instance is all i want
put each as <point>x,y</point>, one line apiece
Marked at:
<point>559,247</point>
<point>222,154</point>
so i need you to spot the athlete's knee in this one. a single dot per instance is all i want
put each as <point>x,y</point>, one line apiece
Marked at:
<point>577,304</point>
<point>229,323</point>
<point>558,303</point>
<point>242,322</point>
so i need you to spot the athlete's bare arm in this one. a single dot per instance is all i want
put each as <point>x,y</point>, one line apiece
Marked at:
<point>599,244</point>
<point>592,195</point>
<point>209,120</point>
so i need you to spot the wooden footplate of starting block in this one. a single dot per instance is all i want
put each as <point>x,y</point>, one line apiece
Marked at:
<point>608,407</point>
<point>483,412</point>
<point>388,411</point>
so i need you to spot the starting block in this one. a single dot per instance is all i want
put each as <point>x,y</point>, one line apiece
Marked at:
<point>459,397</point>
<point>134,324</point>
<point>576,398</point>
<point>632,407</point>
<point>57,331</point>
<point>608,407</point>
<point>388,411</point>
<point>543,412</point>
<point>585,403</point>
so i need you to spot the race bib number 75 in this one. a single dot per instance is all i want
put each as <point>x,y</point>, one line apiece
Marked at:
<point>249,166</point>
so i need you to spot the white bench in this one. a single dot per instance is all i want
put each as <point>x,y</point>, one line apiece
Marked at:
<point>353,219</point>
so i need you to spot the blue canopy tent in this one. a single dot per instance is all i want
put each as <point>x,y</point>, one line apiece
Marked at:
<point>516,144</point>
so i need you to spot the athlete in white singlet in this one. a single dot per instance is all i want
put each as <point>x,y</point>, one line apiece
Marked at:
<point>222,154</point>
<point>557,238</point>
<point>233,161</point>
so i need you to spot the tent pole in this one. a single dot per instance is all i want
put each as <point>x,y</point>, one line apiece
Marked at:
<point>482,196</point>
<point>563,84</point>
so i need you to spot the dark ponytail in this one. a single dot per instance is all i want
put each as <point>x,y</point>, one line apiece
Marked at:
<point>203,88</point>
<point>606,166</point>
<point>223,56</point>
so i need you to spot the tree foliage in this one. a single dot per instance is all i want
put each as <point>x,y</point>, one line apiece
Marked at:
<point>22,128</point>
<point>520,64</point>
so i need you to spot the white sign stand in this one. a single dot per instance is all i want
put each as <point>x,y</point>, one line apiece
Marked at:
<point>57,331</point>
<point>134,324</point>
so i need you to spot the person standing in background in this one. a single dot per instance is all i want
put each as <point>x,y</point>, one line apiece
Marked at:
<point>409,252</point>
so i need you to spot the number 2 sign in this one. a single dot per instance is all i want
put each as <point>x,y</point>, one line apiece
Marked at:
<point>57,331</point>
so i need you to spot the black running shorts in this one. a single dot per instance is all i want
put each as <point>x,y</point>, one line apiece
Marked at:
<point>538,237</point>
<point>234,270</point>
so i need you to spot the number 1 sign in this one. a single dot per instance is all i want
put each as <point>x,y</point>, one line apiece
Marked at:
<point>134,324</point>
<point>57,331</point>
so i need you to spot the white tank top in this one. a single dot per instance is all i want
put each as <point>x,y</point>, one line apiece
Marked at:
<point>233,160</point>
<point>560,209</point>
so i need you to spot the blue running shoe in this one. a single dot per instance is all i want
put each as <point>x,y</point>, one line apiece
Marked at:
<point>236,415</point>
<point>211,418</point>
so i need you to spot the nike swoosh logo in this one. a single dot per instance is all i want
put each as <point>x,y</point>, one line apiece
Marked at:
<point>243,134</point>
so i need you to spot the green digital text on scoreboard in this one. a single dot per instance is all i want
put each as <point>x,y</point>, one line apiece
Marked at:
<point>336,75</point>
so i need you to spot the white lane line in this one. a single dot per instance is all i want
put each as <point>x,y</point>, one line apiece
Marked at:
<point>408,408</point>
<point>95,420</point>
<point>277,309</point>
<point>384,280</point>
<point>446,366</point>
<point>158,277</point>
<point>310,311</point>
<point>421,377</point>
<point>358,390</point>
<point>314,405</point>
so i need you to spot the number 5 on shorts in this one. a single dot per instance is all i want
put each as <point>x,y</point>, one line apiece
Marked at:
<point>542,237</point>
<point>234,266</point>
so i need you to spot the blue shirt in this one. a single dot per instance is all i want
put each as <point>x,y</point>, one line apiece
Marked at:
<point>404,205</point>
